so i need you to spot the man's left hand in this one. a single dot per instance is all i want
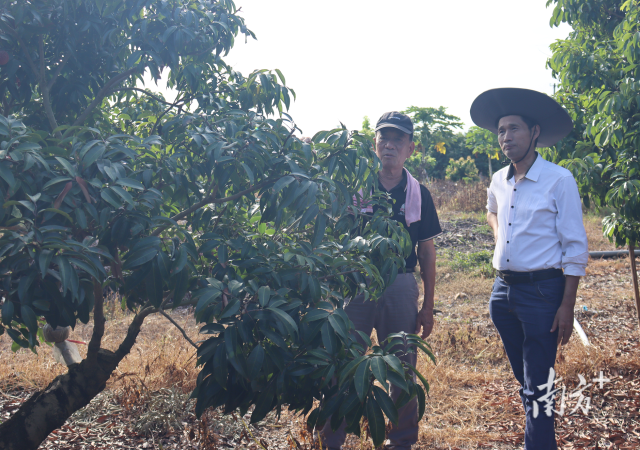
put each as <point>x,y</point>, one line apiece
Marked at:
<point>564,323</point>
<point>424,322</point>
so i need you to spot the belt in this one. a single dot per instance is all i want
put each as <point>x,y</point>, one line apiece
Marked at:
<point>410,270</point>
<point>511,277</point>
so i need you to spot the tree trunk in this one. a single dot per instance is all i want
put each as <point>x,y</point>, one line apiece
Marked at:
<point>49,409</point>
<point>490,168</point>
<point>634,277</point>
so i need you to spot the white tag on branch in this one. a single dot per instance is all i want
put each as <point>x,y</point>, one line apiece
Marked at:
<point>66,353</point>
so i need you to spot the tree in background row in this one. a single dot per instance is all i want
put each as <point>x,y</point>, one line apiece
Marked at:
<point>598,70</point>
<point>483,142</point>
<point>462,169</point>
<point>208,201</point>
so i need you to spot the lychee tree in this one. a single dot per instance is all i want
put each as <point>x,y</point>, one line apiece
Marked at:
<point>599,79</point>
<point>207,201</point>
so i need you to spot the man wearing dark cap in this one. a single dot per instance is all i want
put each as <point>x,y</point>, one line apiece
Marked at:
<point>541,252</point>
<point>397,309</point>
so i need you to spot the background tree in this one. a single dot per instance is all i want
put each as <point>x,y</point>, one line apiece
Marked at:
<point>483,142</point>
<point>208,201</point>
<point>463,169</point>
<point>435,136</point>
<point>599,79</point>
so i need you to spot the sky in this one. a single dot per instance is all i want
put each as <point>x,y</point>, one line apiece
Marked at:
<point>349,58</point>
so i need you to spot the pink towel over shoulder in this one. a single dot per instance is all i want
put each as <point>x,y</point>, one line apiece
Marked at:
<point>413,203</point>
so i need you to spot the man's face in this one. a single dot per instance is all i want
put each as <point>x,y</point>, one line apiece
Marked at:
<point>393,147</point>
<point>515,137</point>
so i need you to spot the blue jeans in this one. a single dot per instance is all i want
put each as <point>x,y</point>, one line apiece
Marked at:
<point>524,314</point>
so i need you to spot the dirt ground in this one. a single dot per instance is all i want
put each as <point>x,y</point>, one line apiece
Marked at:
<point>473,402</point>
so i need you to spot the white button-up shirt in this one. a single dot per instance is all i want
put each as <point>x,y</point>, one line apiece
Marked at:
<point>539,220</point>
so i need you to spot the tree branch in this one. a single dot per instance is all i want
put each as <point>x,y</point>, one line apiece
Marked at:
<point>178,327</point>
<point>210,200</point>
<point>614,14</point>
<point>44,89</point>
<point>100,96</point>
<point>155,97</point>
<point>339,274</point>
<point>133,331</point>
<point>58,70</point>
<point>98,324</point>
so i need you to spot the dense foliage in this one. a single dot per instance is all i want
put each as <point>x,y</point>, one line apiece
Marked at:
<point>462,169</point>
<point>208,200</point>
<point>599,78</point>
<point>483,142</point>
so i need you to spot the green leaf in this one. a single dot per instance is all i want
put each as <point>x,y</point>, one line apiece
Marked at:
<point>29,318</point>
<point>86,267</point>
<point>67,166</point>
<point>424,381</point>
<point>281,183</point>
<point>421,402</point>
<point>395,363</point>
<point>376,422</point>
<point>379,369</point>
<point>44,260</point>
<point>231,309</point>
<point>128,182</point>
<point>263,404</point>
<point>6,174</point>
<point>255,360</point>
<point>65,272</point>
<point>7,312</point>
<point>124,194</point>
<point>361,380</point>
<point>308,215</point>
<point>57,211</point>
<point>329,339</point>
<point>140,257</point>
<point>182,286</point>
<point>264,294</point>
<point>319,230</point>
<point>220,370</point>
<point>205,297</point>
<point>153,283</point>
<point>110,197</point>
<point>55,181</point>
<point>350,368</point>
<point>386,404</point>
<point>181,260</point>
<point>338,326</point>
<point>397,380</point>
<point>287,321</point>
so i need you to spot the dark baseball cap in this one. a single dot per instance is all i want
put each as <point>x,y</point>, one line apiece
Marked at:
<point>397,120</point>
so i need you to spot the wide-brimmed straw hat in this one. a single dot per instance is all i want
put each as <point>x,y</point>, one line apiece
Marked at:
<point>494,104</point>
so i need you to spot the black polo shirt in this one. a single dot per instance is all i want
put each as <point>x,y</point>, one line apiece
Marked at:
<point>427,228</point>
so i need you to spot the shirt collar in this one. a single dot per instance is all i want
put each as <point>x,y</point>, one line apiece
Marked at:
<point>533,173</point>
<point>401,185</point>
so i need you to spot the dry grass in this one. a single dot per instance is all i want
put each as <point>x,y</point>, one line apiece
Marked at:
<point>459,196</point>
<point>160,358</point>
<point>473,401</point>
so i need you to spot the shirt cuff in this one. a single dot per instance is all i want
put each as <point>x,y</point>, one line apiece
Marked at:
<point>576,270</point>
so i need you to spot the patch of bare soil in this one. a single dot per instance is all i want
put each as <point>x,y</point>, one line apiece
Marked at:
<point>464,235</point>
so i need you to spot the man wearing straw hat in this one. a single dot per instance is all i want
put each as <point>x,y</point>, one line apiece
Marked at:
<point>541,252</point>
